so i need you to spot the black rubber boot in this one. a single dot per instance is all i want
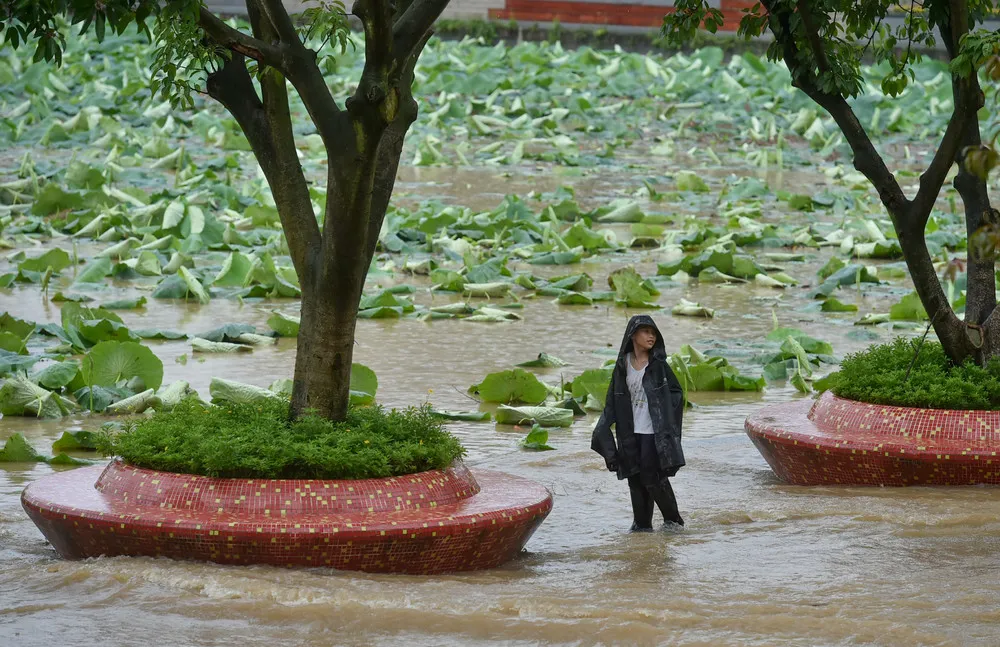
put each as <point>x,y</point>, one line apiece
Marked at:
<point>642,507</point>
<point>667,503</point>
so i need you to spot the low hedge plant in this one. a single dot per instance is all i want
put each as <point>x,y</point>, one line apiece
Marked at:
<point>260,441</point>
<point>878,375</point>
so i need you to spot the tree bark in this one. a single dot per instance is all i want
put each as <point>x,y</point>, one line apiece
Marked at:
<point>980,297</point>
<point>325,351</point>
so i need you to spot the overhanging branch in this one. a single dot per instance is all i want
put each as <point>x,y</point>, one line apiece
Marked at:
<point>237,41</point>
<point>410,29</point>
<point>967,99</point>
<point>280,20</point>
<point>866,157</point>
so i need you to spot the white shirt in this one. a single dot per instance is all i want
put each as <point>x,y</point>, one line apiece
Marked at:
<point>643,424</point>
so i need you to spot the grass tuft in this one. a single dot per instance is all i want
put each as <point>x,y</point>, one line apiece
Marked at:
<point>877,375</point>
<point>258,441</point>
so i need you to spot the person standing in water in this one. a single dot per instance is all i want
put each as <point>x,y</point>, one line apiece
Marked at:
<point>645,403</point>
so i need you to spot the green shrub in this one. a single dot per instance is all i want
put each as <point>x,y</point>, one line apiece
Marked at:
<point>878,375</point>
<point>258,441</point>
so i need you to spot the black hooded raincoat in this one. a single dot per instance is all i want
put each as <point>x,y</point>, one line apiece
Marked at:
<point>666,409</point>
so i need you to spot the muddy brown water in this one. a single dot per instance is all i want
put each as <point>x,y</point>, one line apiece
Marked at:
<point>759,562</point>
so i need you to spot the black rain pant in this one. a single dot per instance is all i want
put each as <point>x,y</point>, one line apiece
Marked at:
<point>648,488</point>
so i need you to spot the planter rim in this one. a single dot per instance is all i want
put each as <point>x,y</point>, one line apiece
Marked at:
<point>835,441</point>
<point>259,496</point>
<point>480,531</point>
<point>830,394</point>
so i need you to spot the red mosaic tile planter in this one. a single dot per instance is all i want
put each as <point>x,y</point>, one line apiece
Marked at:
<point>431,522</point>
<point>832,441</point>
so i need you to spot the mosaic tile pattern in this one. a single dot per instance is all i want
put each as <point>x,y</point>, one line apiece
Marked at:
<point>831,441</point>
<point>432,522</point>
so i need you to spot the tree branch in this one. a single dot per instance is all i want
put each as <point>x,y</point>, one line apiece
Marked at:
<point>376,17</point>
<point>281,167</point>
<point>390,150</point>
<point>410,29</point>
<point>866,158</point>
<point>968,99</point>
<point>814,40</point>
<point>280,20</point>
<point>237,41</point>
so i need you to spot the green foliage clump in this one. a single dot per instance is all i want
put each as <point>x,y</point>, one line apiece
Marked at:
<point>878,375</point>
<point>258,440</point>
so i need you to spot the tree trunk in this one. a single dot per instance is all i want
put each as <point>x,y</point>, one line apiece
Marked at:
<point>325,351</point>
<point>981,297</point>
<point>363,145</point>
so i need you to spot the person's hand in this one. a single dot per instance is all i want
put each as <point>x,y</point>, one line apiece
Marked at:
<point>612,464</point>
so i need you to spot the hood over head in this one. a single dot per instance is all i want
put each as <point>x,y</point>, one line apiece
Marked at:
<point>659,348</point>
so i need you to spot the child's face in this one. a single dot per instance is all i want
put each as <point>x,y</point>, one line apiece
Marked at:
<point>644,338</point>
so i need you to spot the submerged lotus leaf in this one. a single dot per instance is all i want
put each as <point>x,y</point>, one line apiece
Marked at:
<point>543,360</point>
<point>575,299</point>
<point>543,416</point>
<point>154,333</point>
<point>467,416</point>
<point>448,280</point>
<point>593,383</point>
<point>809,344</point>
<point>52,199</point>
<point>690,181</point>
<point>125,304</point>
<point>18,450</point>
<point>172,395</point>
<point>631,290</point>
<point>832,304</point>
<point>98,330</point>
<point>537,439</point>
<point>515,385</point>
<point>799,382</point>
<point>493,315</point>
<point>231,391</point>
<point>687,308</point>
<point>57,259</point>
<point>57,375</point>
<point>364,385</point>
<point>794,348</point>
<point>19,396</point>
<point>9,323</point>
<point>237,271</point>
<point>199,345</point>
<point>565,257</point>
<point>95,271</point>
<point>284,324</point>
<point>12,343</point>
<point>194,285</point>
<point>486,290</point>
<point>227,332</point>
<point>75,441</point>
<point>98,398</point>
<point>909,308</point>
<point>580,235</point>
<point>66,459</point>
<point>134,404</point>
<point>111,363</point>
<point>575,282</point>
<point>457,308</point>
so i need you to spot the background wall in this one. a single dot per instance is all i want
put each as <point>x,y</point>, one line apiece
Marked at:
<point>626,13</point>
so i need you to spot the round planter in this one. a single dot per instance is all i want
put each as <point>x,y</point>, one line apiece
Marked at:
<point>832,441</point>
<point>430,522</point>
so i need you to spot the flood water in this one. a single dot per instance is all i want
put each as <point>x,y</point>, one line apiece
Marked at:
<point>759,562</point>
